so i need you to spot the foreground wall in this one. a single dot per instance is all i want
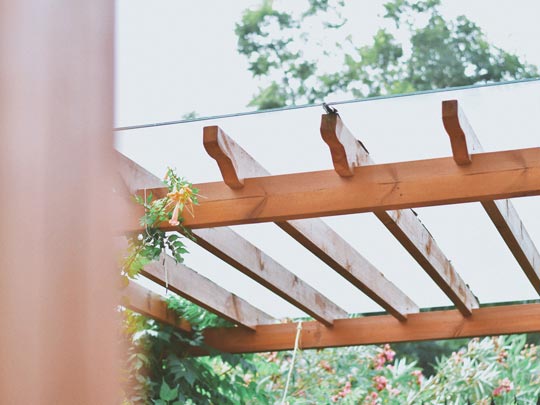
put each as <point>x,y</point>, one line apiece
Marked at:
<point>57,322</point>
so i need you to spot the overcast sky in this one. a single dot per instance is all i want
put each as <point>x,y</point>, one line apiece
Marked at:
<point>177,56</point>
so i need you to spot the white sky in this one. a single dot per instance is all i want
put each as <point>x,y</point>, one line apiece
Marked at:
<point>173,59</point>
<point>177,56</point>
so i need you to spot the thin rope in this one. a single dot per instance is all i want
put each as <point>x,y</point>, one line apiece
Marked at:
<point>298,331</point>
<point>296,107</point>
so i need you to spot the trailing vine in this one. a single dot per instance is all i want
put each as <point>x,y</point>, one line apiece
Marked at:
<point>148,245</point>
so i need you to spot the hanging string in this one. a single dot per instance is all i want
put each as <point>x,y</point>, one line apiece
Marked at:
<point>298,330</point>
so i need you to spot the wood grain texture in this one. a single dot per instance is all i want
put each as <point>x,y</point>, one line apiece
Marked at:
<point>462,138</point>
<point>501,212</point>
<point>421,183</point>
<point>404,224</point>
<point>379,329</point>
<point>234,162</point>
<point>189,284</point>
<point>343,147</point>
<point>244,256</point>
<point>314,234</point>
<point>147,303</point>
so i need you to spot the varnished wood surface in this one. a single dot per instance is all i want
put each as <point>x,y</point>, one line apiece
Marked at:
<point>250,260</point>
<point>314,234</point>
<point>148,303</point>
<point>189,284</point>
<point>403,224</point>
<point>421,183</point>
<point>501,212</point>
<point>379,329</point>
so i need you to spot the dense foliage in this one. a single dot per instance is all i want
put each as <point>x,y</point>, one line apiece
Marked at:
<point>499,370</point>
<point>157,370</point>
<point>306,55</point>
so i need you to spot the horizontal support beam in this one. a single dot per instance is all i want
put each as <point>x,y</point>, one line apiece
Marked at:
<point>403,224</point>
<point>196,288</point>
<point>147,303</point>
<point>421,183</point>
<point>486,321</point>
<point>314,234</point>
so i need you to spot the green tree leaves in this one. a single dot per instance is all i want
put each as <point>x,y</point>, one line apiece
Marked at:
<point>439,53</point>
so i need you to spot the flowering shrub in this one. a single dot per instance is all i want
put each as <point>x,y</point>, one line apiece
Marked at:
<point>499,370</point>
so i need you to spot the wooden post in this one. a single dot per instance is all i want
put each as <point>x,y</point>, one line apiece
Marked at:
<point>58,318</point>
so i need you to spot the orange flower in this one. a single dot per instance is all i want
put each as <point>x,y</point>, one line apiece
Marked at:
<point>180,199</point>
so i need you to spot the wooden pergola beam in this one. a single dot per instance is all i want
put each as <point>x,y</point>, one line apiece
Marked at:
<point>450,324</point>
<point>250,260</point>
<point>189,284</point>
<point>501,212</point>
<point>244,256</point>
<point>147,303</point>
<point>236,164</point>
<point>347,153</point>
<point>420,183</point>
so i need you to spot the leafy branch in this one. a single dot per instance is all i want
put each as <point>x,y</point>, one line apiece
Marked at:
<point>148,245</point>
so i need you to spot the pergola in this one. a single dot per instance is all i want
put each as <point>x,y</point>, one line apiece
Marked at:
<point>58,340</point>
<point>248,194</point>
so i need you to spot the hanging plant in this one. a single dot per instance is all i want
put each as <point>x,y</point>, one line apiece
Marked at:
<point>148,245</point>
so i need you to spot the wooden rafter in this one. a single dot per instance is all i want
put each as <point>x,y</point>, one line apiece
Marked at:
<point>250,260</point>
<point>148,303</point>
<point>486,321</point>
<point>420,183</point>
<point>244,256</point>
<point>189,284</point>
<point>347,153</point>
<point>502,212</point>
<point>236,164</point>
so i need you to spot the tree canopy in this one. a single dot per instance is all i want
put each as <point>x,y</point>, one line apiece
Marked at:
<point>306,55</point>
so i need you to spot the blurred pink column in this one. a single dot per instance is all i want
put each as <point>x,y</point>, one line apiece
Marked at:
<point>58,325</point>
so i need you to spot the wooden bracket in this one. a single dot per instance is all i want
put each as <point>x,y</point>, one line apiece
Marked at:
<point>347,152</point>
<point>234,162</point>
<point>462,137</point>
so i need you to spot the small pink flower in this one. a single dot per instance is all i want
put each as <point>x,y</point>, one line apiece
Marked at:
<point>380,382</point>
<point>389,353</point>
<point>505,385</point>
<point>418,375</point>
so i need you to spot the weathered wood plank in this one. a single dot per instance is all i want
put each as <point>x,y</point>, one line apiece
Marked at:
<point>450,324</point>
<point>189,284</point>
<point>501,212</point>
<point>421,183</point>
<point>244,256</point>
<point>403,224</point>
<point>235,163</point>
<point>148,303</point>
